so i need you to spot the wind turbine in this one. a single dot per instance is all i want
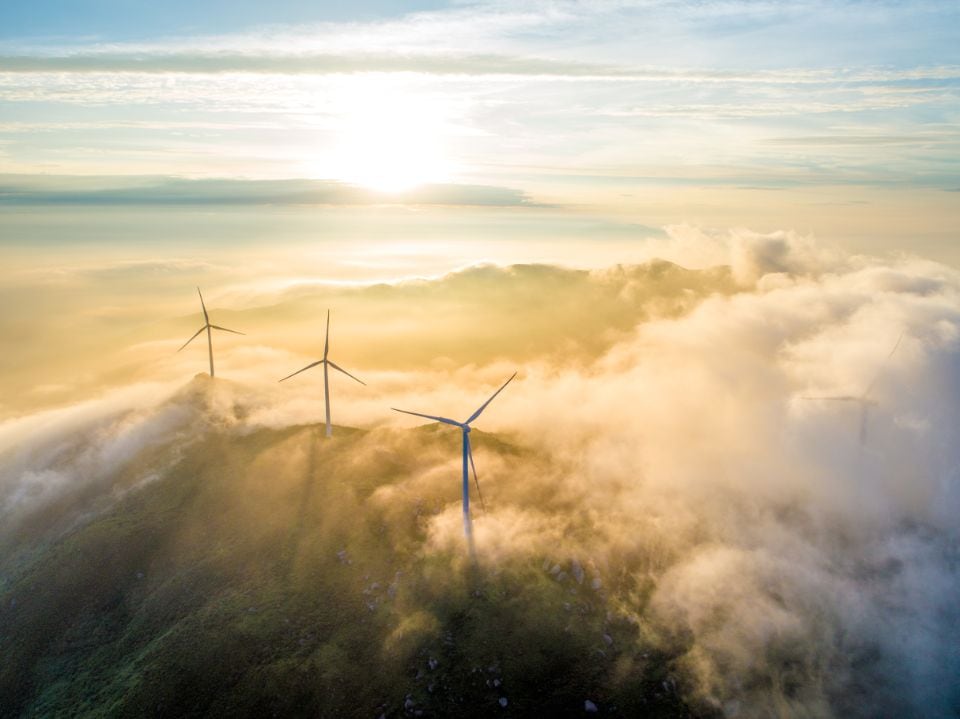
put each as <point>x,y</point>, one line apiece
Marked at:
<point>207,326</point>
<point>864,399</point>
<point>467,455</point>
<point>326,380</point>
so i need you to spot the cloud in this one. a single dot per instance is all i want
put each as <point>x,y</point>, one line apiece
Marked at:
<point>853,139</point>
<point>740,528</point>
<point>275,60</point>
<point>311,64</point>
<point>149,191</point>
<point>773,545</point>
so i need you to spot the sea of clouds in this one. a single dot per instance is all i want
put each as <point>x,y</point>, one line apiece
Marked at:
<point>803,552</point>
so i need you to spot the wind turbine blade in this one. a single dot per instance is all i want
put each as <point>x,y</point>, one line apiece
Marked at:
<point>194,337</point>
<point>430,416</point>
<point>326,339</point>
<point>206,317</point>
<point>338,367</point>
<point>484,405</point>
<point>224,329</point>
<point>475,480</point>
<point>314,364</point>
<point>883,366</point>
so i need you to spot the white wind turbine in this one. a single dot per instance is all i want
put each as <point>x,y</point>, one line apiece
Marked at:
<point>326,380</point>
<point>207,326</point>
<point>864,399</point>
<point>467,455</point>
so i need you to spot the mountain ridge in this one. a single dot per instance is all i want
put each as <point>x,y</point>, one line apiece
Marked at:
<point>269,571</point>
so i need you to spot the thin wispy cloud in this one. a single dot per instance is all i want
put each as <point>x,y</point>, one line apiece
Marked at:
<point>578,104</point>
<point>175,191</point>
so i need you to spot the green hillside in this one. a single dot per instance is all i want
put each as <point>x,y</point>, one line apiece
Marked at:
<point>239,572</point>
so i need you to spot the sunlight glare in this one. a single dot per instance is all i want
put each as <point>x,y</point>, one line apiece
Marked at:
<point>389,141</point>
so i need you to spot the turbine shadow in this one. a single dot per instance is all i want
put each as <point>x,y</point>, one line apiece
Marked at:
<point>299,527</point>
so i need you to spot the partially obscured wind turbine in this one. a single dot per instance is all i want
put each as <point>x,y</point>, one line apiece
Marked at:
<point>467,455</point>
<point>864,400</point>
<point>207,326</point>
<point>326,380</point>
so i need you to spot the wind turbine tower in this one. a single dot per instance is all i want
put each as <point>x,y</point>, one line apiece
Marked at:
<point>467,457</point>
<point>863,399</point>
<point>326,377</point>
<point>208,327</point>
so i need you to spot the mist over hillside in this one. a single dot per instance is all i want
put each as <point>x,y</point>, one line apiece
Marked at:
<point>675,525</point>
<point>249,572</point>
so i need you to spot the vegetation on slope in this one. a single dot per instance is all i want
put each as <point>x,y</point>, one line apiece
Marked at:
<point>276,573</point>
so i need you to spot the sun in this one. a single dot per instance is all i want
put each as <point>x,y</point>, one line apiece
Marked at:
<point>389,141</point>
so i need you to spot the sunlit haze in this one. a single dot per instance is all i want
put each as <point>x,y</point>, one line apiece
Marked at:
<point>718,242</point>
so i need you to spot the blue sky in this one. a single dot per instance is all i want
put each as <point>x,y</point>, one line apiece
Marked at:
<point>766,114</point>
<point>115,20</point>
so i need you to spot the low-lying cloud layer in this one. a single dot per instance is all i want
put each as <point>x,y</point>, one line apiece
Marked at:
<point>675,448</point>
<point>174,191</point>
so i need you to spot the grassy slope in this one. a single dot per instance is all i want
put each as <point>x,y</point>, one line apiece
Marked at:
<point>256,578</point>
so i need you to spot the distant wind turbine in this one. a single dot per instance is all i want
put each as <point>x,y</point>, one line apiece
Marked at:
<point>864,399</point>
<point>207,326</point>
<point>467,455</point>
<point>326,380</point>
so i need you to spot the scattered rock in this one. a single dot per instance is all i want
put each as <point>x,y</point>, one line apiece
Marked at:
<point>596,583</point>
<point>555,569</point>
<point>577,570</point>
<point>589,707</point>
<point>496,682</point>
<point>608,639</point>
<point>503,701</point>
<point>432,663</point>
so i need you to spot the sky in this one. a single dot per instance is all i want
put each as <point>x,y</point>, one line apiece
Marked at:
<point>833,119</point>
<point>255,149</point>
